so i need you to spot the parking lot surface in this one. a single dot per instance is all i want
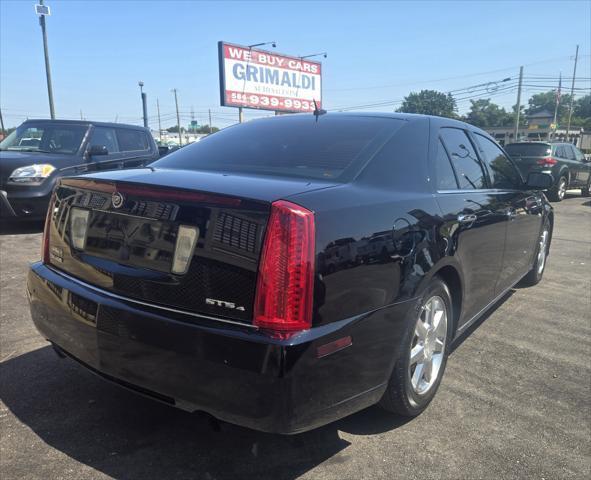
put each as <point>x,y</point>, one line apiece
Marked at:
<point>514,402</point>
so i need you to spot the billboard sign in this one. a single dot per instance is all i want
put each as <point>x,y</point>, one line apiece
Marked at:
<point>253,78</point>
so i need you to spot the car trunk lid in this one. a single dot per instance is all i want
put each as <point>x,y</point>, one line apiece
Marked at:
<point>131,233</point>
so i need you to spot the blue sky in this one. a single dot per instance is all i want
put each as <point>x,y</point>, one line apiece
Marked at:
<point>377,51</point>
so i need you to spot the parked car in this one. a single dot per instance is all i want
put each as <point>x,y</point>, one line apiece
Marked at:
<point>565,162</point>
<point>164,150</point>
<point>199,281</point>
<point>39,152</point>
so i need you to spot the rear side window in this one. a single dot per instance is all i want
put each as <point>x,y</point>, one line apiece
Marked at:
<point>568,152</point>
<point>502,172</point>
<point>446,179</point>
<point>104,137</point>
<point>578,155</point>
<point>131,140</point>
<point>528,149</point>
<point>326,147</point>
<point>464,159</point>
<point>558,151</point>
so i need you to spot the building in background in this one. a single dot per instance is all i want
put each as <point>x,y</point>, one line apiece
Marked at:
<point>539,128</point>
<point>172,138</point>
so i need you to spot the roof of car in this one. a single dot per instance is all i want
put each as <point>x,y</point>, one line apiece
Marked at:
<point>538,142</point>
<point>84,122</point>
<point>444,121</point>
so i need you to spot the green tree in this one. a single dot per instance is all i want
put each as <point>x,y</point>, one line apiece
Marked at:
<point>429,102</point>
<point>483,113</point>
<point>205,129</point>
<point>582,112</point>
<point>547,101</point>
<point>511,116</point>
<point>175,129</point>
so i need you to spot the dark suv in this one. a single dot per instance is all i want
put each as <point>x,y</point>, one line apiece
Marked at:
<point>38,152</point>
<point>563,161</point>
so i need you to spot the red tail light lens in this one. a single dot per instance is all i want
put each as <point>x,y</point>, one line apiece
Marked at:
<point>285,282</point>
<point>45,238</point>
<point>547,161</point>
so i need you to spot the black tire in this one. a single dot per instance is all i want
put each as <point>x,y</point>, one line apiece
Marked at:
<point>585,190</point>
<point>536,273</point>
<point>556,194</point>
<point>400,397</point>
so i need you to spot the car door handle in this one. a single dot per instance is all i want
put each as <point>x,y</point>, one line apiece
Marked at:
<point>467,218</point>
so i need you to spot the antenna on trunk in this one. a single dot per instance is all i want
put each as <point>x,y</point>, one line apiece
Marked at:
<point>318,111</point>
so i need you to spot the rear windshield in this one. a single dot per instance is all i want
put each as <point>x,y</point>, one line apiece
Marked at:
<point>329,147</point>
<point>528,149</point>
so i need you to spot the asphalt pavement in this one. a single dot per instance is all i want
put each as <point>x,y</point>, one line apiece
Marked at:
<point>514,402</point>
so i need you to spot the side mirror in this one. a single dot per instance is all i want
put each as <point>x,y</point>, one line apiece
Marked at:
<point>539,181</point>
<point>97,150</point>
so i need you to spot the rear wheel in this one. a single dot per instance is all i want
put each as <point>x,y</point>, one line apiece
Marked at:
<point>585,190</point>
<point>535,274</point>
<point>559,191</point>
<point>419,369</point>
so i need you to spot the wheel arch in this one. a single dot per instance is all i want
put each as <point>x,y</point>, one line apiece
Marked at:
<point>451,277</point>
<point>564,171</point>
<point>551,220</point>
<point>450,272</point>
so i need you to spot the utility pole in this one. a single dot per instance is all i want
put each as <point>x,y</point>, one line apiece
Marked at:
<point>81,117</point>
<point>210,131</point>
<point>42,11</point>
<point>159,124</point>
<point>557,103</point>
<point>516,132</point>
<point>2,122</point>
<point>178,118</point>
<point>572,94</point>
<point>240,115</point>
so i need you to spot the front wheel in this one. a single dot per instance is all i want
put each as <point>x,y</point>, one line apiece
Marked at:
<point>419,369</point>
<point>534,276</point>
<point>585,190</point>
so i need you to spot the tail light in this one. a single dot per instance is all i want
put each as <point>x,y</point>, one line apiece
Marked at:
<point>547,161</point>
<point>285,282</point>
<point>46,228</point>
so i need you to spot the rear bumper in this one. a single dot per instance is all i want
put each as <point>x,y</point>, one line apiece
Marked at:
<point>235,373</point>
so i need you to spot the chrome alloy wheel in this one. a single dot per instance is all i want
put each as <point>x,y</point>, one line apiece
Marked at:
<point>542,251</point>
<point>428,345</point>
<point>562,188</point>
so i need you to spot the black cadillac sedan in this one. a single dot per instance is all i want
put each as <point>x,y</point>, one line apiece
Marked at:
<point>286,272</point>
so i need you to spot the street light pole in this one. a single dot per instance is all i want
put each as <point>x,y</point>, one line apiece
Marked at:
<point>42,12</point>
<point>144,103</point>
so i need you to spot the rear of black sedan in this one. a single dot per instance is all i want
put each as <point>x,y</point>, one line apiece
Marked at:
<point>197,282</point>
<point>286,272</point>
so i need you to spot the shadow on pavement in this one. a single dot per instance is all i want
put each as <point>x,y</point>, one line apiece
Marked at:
<point>127,436</point>
<point>462,338</point>
<point>8,227</point>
